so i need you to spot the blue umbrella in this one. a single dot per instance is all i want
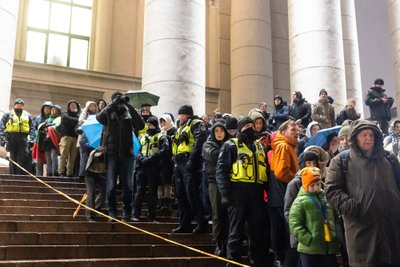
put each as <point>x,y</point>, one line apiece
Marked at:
<point>92,129</point>
<point>320,138</point>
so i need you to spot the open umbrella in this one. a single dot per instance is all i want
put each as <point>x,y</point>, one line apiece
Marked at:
<point>320,138</point>
<point>92,129</point>
<point>139,98</point>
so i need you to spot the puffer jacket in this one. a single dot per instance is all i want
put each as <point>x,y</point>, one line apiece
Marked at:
<point>300,110</point>
<point>307,225</point>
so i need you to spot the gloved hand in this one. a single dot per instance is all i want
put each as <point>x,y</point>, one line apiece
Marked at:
<point>189,165</point>
<point>225,201</point>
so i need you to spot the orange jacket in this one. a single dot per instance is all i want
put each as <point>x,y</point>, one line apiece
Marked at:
<point>284,162</point>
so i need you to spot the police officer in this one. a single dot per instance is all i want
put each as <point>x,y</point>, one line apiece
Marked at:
<point>241,177</point>
<point>15,126</point>
<point>154,150</point>
<point>187,147</point>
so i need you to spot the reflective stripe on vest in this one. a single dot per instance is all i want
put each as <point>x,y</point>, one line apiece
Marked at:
<point>150,144</point>
<point>243,169</point>
<point>17,124</point>
<point>185,146</point>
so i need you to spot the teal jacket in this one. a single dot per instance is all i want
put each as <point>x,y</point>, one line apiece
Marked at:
<point>307,224</point>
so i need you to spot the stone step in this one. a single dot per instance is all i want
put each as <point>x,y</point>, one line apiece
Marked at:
<point>120,262</point>
<point>40,189</point>
<point>35,195</point>
<point>31,252</point>
<point>43,178</point>
<point>81,226</point>
<point>56,184</point>
<point>30,217</point>
<point>97,238</point>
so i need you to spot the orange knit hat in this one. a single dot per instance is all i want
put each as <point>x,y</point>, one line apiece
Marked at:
<point>309,175</point>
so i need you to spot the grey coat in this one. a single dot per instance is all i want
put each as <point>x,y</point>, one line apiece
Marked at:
<point>368,198</point>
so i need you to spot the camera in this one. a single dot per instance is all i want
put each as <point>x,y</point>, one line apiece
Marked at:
<point>122,99</point>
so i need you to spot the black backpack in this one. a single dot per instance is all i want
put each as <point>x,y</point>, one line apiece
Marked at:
<point>344,164</point>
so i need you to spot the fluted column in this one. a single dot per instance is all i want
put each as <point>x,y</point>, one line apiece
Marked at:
<point>251,57</point>
<point>394,18</point>
<point>174,54</point>
<point>8,31</point>
<point>351,53</point>
<point>316,49</point>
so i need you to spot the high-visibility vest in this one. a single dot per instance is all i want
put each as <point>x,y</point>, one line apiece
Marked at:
<point>17,124</point>
<point>249,167</point>
<point>142,132</point>
<point>178,146</point>
<point>150,144</point>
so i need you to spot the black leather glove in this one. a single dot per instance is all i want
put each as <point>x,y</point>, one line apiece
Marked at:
<point>225,201</point>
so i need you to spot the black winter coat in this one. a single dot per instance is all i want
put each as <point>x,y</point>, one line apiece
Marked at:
<point>69,121</point>
<point>379,110</point>
<point>280,115</point>
<point>122,122</point>
<point>300,110</point>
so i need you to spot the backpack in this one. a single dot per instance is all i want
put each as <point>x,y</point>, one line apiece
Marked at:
<point>341,117</point>
<point>344,164</point>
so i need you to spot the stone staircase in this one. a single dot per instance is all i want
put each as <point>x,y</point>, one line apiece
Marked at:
<point>37,229</point>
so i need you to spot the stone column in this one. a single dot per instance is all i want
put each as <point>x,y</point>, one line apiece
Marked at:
<point>316,49</point>
<point>394,18</point>
<point>251,57</point>
<point>8,31</point>
<point>351,54</point>
<point>174,54</point>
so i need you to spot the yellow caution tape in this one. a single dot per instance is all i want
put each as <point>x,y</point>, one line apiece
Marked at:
<point>124,223</point>
<point>84,197</point>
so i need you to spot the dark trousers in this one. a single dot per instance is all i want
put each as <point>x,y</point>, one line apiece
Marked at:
<point>219,217</point>
<point>146,177</point>
<point>384,125</point>
<point>18,148</point>
<point>91,181</point>
<point>187,187</point>
<point>247,207</point>
<point>308,260</point>
<point>124,167</point>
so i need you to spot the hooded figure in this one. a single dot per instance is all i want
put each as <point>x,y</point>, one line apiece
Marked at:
<point>312,128</point>
<point>44,113</point>
<point>365,195</point>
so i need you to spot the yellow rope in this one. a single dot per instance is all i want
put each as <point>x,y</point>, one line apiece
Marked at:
<point>124,223</point>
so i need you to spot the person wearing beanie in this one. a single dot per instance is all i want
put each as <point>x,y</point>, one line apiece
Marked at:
<point>344,135</point>
<point>241,181</point>
<point>219,134</point>
<point>186,148</point>
<point>145,113</point>
<point>231,126</point>
<point>15,128</point>
<point>164,190</point>
<point>379,105</point>
<point>324,113</point>
<point>280,114</point>
<point>121,121</point>
<point>153,152</point>
<point>312,222</point>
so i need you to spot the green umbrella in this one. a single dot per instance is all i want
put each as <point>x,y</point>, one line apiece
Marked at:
<point>141,98</point>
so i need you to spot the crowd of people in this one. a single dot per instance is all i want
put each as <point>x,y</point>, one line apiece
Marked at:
<point>256,177</point>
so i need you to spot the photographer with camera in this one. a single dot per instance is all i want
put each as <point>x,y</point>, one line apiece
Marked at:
<point>122,120</point>
<point>15,126</point>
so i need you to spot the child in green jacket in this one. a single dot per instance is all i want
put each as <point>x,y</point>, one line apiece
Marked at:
<point>312,222</point>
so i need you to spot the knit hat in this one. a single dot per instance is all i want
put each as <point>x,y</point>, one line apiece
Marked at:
<point>379,81</point>
<point>310,156</point>
<point>323,91</point>
<point>186,109</point>
<point>345,130</point>
<point>19,101</point>
<point>243,121</point>
<point>231,123</point>
<point>153,120</point>
<point>115,94</point>
<point>309,175</point>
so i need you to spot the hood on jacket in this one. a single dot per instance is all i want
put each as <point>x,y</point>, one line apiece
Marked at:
<point>310,125</point>
<point>88,104</point>
<point>45,104</point>
<point>212,133</point>
<point>73,101</point>
<point>356,127</point>
<point>256,115</point>
<point>280,138</point>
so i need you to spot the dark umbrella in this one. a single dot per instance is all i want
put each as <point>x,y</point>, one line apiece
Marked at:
<point>139,98</point>
<point>320,138</point>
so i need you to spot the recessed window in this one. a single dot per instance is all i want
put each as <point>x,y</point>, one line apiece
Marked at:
<point>59,32</point>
